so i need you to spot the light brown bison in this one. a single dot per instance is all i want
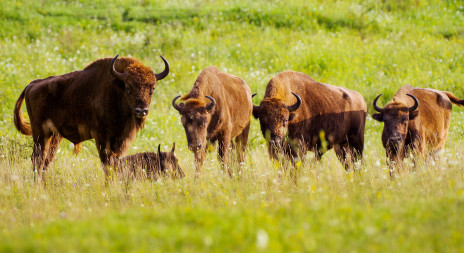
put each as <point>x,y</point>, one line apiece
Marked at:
<point>218,108</point>
<point>297,113</point>
<point>151,165</point>
<point>107,101</point>
<point>416,121</point>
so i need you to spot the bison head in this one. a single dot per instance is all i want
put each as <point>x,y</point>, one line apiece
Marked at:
<point>169,165</point>
<point>396,117</point>
<point>274,115</point>
<point>138,82</point>
<point>196,115</point>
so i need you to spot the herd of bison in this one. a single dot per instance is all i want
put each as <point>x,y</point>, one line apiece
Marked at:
<point>109,101</point>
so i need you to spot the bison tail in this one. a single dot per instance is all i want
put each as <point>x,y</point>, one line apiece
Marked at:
<point>77,148</point>
<point>20,122</point>
<point>454,99</point>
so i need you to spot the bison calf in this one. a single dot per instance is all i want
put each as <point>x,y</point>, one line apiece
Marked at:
<point>151,165</point>
<point>107,101</point>
<point>416,121</point>
<point>218,108</point>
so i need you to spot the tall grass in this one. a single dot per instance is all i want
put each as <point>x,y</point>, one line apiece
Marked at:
<point>369,46</point>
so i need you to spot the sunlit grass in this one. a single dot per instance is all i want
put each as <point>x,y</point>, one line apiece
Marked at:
<point>369,46</point>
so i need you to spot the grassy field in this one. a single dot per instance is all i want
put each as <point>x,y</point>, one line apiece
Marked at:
<point>369,46</point>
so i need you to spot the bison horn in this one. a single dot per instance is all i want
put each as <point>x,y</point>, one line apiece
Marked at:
<point>159,148</point>
<point>165,72</point>
<point>416,103</point>
<point>254,94</point>
<point>115,73</point>
<point>212,104</point>
<point>375,104</point>
<point>297,105</point>
<point>173,147</point>
<point>176,106</point>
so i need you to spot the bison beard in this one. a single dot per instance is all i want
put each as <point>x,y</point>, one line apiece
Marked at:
<point>107,101</point>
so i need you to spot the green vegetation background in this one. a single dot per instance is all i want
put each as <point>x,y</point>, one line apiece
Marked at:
<point>373,46</point>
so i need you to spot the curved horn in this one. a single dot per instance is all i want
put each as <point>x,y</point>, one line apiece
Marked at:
<point>165,72</point>
<point>115,73</point>
<point>297,105</point>
<point>253,95</point>
<point>212,104</point>
<point>159,148</point>
<point>176,106</point>
<point>375,104</point>
<point>416,103</point>
<point>173,147</point>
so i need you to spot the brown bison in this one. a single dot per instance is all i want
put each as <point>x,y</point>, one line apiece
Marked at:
<point>151,165</point>
<point>298,114</point>
<point>416,121</point>
<point>218,108</point>
<point>107,101</point>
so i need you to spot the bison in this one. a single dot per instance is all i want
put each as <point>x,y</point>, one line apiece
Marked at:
<point>107,101</point>
<point>298,114</point>
<point>151,165</point>
<point>218,108</point>
<point>416,121</point>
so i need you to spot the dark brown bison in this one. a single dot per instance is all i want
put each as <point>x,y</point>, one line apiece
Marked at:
<point>218,108</point>
<point>416,121</point>
<point>151,165</point>
<point>107,101</point>
<point>297,113</point>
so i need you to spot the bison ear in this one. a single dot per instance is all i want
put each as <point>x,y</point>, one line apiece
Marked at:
<point>256,112</point>
<point>120,84</point>
<point>290,118</point>
<point>378,116</point>
<point>413,114</point>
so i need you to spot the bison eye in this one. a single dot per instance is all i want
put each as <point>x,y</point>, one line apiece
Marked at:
<point>128,91</point>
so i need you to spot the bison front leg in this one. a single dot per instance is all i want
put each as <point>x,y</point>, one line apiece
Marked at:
<point>199,160</point>
<point>108,159</point>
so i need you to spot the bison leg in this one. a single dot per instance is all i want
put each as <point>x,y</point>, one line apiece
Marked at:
<point>54,144</point>
<point>241,142</point>
<point>108,159</point>
<point>223,153</point>
<point>351,152</point>
<point>39,154</point>
<point>341,153</point>
<point>199,160</point>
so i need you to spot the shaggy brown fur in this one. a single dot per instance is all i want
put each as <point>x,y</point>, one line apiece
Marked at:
<point>92,103</point>
<point>421,131</point>
<point>229,118</point>
<point>335,112</point>
<point>151,165</point>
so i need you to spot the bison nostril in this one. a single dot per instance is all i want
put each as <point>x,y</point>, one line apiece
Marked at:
<point>141,112</point>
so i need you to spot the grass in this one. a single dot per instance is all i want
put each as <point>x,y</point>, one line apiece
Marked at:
<point>369,46</point>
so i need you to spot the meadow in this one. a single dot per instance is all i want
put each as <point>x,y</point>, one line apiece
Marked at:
<point>374,46</point>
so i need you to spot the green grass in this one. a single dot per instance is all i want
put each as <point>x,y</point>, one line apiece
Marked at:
<point>369,46</point>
